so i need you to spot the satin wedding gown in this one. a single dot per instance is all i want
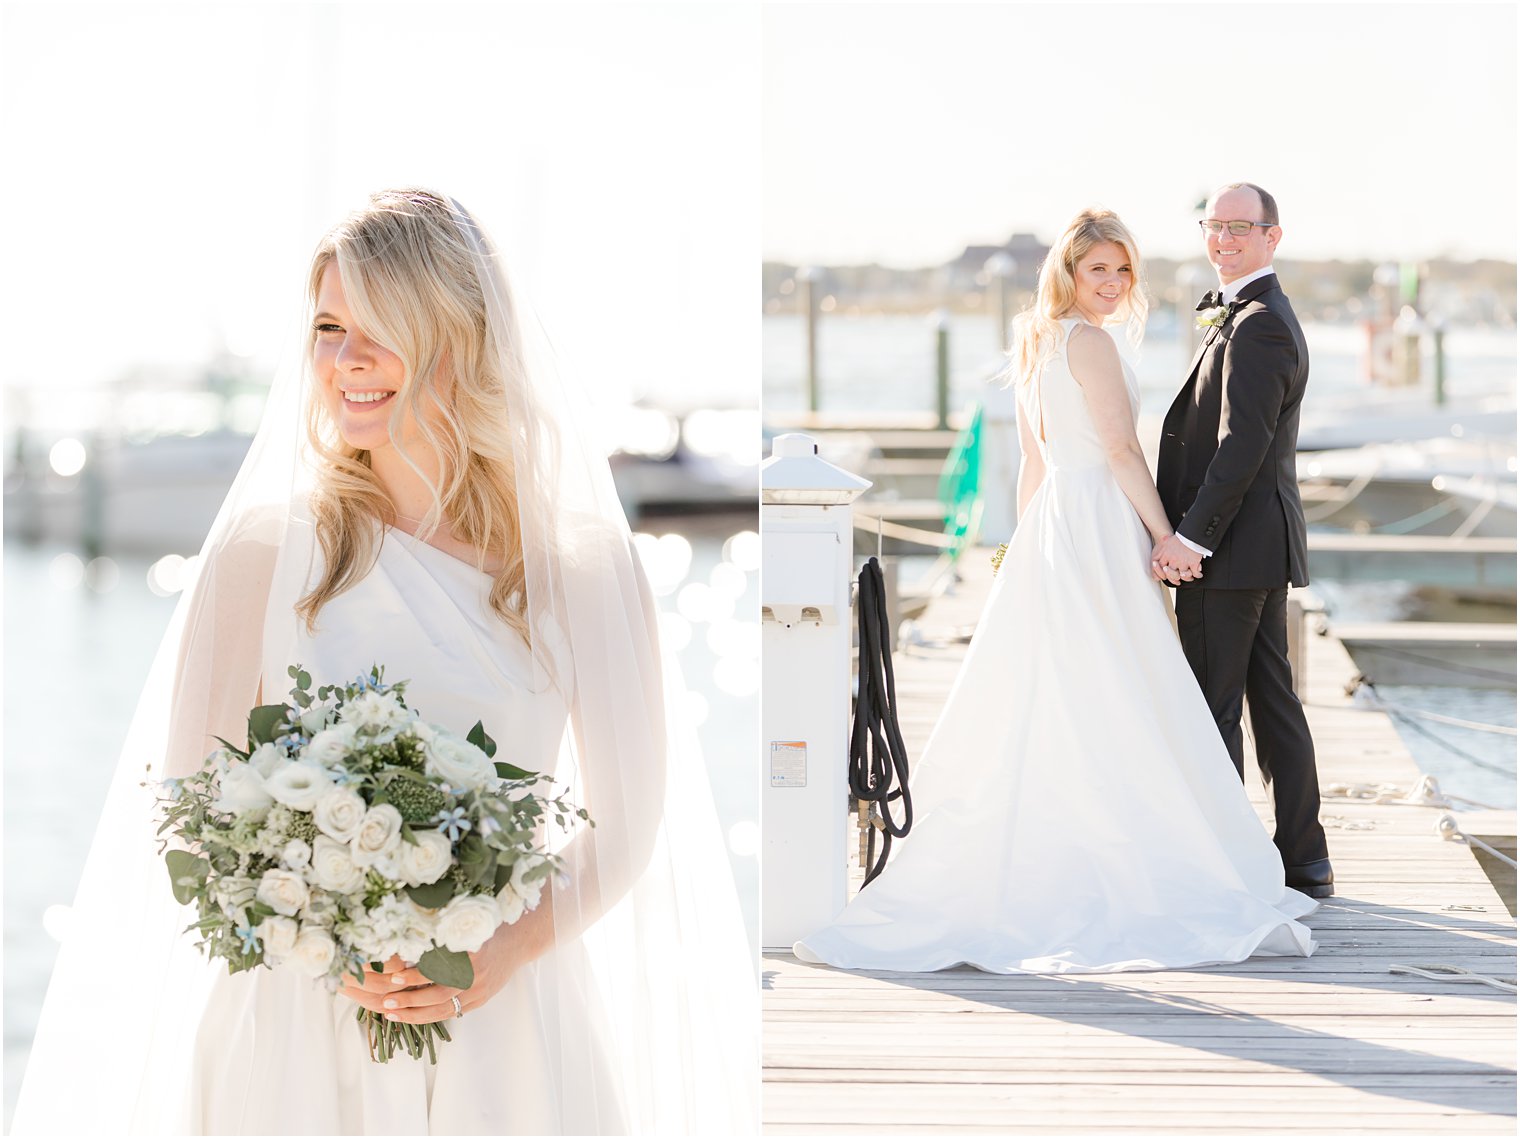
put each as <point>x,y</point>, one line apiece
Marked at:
<point>277,1053</point>
<point>1076,810</point>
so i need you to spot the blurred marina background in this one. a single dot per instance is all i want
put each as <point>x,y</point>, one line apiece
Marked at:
<point>181,161</point>
<point>919,164</point>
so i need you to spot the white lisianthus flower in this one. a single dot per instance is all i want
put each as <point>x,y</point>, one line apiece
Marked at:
<point>531,892</point>
<point>401,928</point>
<point>417,933</point>
<point>333,867</point>
<point>265,759</point>
<point>314,719</point>
<point>381,714</point>
<point>339,813</point>
<point>509,904</point>
<point>233,893</point>
<point>283,891</point>
<point>241,789</point>
<point>313,952</point>
<point>379,832</point>
<point>458,762</point>
<point>298,785</point>
<point>278,935</point>
<point>296,854</point>
<point>425,861</point>
<point>330,746</point>
<point>468,922</point>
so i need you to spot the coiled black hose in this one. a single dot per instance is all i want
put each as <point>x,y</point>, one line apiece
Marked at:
<point>877,752</point>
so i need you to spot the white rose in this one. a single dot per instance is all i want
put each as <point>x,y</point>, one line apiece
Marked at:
<point>458,762</point>
<point>332,866</point>
<point>378,713</point>
<point>330,745</point>
<point>298,785</point>
<point>296,854</point>
<point>379,832</point>
<point>282,891</point>
<point>425,861</point>
<point>338,813</point>
<point>278,936</point>
<point>241,789</point>
<point>468,922</point>
<point>265,758</point>
<point>313,952</point>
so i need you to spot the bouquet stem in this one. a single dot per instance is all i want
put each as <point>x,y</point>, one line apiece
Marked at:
<point>387,1038</point>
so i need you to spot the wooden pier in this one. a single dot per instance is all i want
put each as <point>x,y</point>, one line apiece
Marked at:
<point>1334,1044</point>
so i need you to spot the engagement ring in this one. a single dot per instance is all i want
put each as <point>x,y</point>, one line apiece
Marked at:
<point>458,1008</point>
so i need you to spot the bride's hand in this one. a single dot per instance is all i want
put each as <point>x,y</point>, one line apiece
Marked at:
<point>404,994</point>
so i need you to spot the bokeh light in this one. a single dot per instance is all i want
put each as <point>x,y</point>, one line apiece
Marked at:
<point>743,549</point>
<point>66,571</point>
<point>67,457</point>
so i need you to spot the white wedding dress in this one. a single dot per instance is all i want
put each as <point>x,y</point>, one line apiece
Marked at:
<point>277,1053</point>
<point>1075,808</point>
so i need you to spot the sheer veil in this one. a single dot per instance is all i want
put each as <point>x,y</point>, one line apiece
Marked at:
<point>654,988</point>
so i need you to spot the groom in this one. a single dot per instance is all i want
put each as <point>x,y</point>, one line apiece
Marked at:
<point>1228,480</point>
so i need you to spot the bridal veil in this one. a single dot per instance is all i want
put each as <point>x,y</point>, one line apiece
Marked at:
<point>646,892</point>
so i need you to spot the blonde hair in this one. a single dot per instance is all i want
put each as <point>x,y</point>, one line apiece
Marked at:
<point>410,282</point>
<point>1036,330</point>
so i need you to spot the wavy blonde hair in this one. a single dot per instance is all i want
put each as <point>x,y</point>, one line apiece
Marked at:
<point>1036,330</point>
<point>410,281</point>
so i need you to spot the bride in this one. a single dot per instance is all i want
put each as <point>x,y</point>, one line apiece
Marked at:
<point>1076,809</point>
<point>427,503</point>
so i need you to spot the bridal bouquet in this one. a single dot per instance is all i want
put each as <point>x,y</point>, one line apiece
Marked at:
<point>350,831</point>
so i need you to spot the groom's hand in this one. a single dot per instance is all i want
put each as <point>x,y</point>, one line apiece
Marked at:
<point>1172,561</point>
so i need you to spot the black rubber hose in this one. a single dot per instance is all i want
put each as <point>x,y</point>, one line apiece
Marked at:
<point>878,755</point>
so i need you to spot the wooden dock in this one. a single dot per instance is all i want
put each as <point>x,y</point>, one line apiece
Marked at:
<point>1333,1044</point>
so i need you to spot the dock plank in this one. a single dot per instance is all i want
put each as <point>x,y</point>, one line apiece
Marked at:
<point>1333,1044</point>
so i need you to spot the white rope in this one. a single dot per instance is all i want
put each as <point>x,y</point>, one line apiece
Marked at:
<point>1374,702</point>
<point>1447,828</point>
<point>878,525</point>
<point>1452,973</point>
<point>1320,511</point>
<point>1426,792</point>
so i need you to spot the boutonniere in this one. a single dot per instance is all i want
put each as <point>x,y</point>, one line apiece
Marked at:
<point>1212,317</point>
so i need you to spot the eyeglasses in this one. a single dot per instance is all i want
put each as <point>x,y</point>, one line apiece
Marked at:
<point>1236,228</point>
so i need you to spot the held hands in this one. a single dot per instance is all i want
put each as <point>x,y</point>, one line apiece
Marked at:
<point>405,995</point>
<point>1173,562</point>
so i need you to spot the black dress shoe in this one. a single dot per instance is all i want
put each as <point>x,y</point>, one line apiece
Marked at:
<point>1312,878</point>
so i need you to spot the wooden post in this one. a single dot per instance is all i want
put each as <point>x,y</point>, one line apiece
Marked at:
<point>942,369</point>
<point>1438,333</point>
<point>810,299</point>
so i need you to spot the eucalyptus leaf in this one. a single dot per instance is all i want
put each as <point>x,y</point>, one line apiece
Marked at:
<point>262,724</point>
<point>433,896</point>
<point>445,967</point>
<point>187,873</point>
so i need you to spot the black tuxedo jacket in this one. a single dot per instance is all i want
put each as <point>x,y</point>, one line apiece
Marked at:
<point>1226,469</point>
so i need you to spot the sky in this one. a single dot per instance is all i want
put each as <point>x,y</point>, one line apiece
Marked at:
<point>172,166</point>
<point>900,133</point>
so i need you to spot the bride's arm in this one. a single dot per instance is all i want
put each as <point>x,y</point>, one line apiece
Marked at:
<point>1094,361</point>
<point>1031,465</point>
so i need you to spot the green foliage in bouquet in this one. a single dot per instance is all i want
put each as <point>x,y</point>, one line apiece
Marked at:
<point>347,831</point>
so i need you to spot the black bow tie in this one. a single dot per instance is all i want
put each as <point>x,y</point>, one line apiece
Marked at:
<point>1211,299</point>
